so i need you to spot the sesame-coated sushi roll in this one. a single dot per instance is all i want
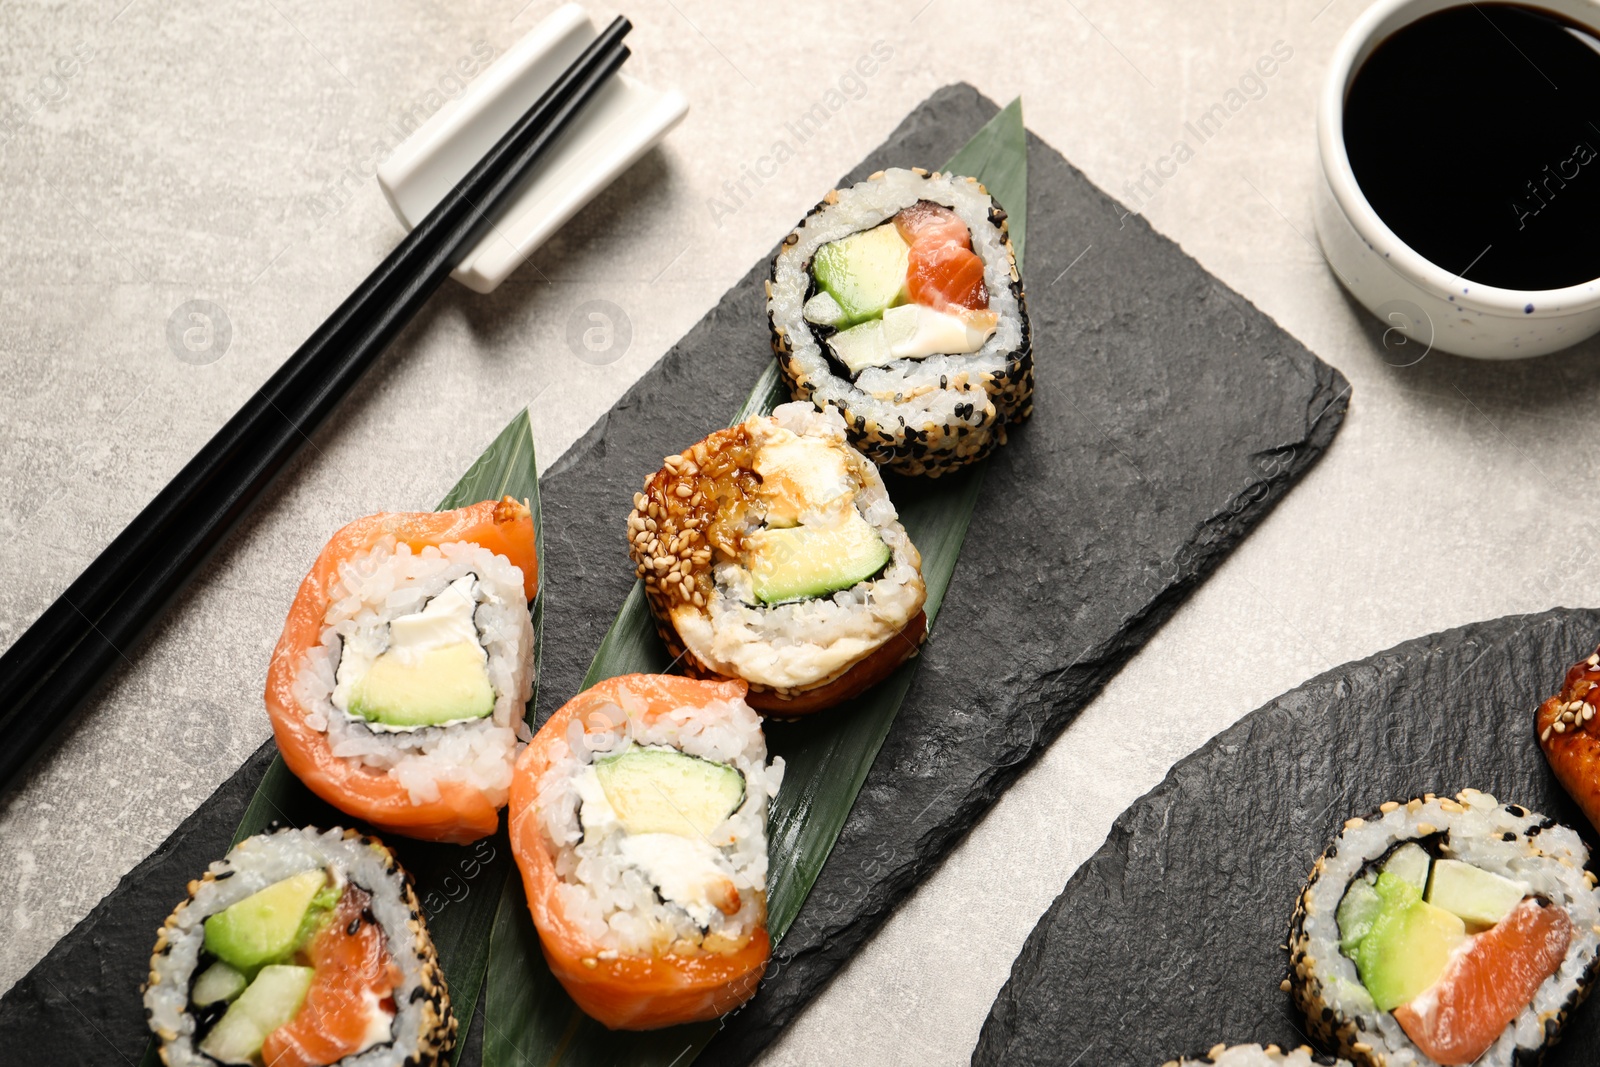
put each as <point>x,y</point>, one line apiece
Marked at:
<point>398,690</point>
<point>299,948</point>
<point>898,302</point>
<point>1257,1056</point>
<point>770,552</point>
<point>1446,932</point>
<point>639,823</point>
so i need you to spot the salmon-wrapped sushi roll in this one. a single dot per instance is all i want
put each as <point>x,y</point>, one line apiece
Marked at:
<point>770,552</point>
<point>638,820</point>
<point>398,690</point>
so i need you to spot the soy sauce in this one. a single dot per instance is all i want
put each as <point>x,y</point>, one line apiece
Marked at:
<point>1475,135</point>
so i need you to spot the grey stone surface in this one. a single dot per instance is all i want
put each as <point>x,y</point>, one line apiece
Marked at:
<point>1138,476</point>
<point>1170,938</point>
<point>219,152</point>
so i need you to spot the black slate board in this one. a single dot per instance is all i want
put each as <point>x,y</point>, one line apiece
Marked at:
<point>1170,938</point>
<point>1170,416</point>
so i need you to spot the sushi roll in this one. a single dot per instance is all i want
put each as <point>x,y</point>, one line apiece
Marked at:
<point>1570,737</point>
<point>1444,931</point>
<point>638,821</point>
<point>770,552</point>
<point>299,948</point>
<point>1257,1056</point>
<point>898,302</point>
<point>398,689</point>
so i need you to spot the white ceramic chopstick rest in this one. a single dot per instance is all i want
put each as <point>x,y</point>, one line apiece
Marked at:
<point>624,121</point>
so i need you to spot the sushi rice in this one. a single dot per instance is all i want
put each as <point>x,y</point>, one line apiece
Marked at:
<point>423,1029</point>
<point>1507,840</point>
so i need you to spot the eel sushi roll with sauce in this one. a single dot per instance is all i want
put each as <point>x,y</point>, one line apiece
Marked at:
<point>639,823</point>
<point>770,552</point>
<point>1448,932</point>
<point>1569,736</point>
<point>300,948</point>
<point>898,302</point>
<point>398,689</point>
<point>1257,1056</point>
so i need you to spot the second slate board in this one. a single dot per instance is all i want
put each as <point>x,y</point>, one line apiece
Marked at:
<point>1170,938</point>
<point>1170,415</point>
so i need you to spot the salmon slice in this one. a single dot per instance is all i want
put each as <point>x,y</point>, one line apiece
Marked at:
<point>1487,983</point>
<point>944,271</point>
<point>945,276</point>
<point>1569,734</point>
<point>355,980</point>
<point>935,223</point>
<point>622,992</point>
<point>463,813</point>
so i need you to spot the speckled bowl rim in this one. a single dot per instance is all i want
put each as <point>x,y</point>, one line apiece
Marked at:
<point>1373,26</point>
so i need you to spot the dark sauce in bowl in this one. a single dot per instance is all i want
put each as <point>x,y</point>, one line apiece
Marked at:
<point>1474,133</point>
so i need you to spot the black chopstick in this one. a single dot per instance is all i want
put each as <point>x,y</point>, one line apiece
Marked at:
<point>59,660</point>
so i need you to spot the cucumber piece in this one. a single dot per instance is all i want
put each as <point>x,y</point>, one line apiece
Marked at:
<point>812,561</point>
<point>1473,894</point>
<point>865,272</point>
<point>216,982</point>
<point>264,926</point>
<point>824,310</point>
<point>861,347</point>
<point>663,791</point>
<point>266,1004</point>
<point>1410,863</point>
<point>1357,912</point>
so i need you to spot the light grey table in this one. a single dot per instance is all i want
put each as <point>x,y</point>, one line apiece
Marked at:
<point>155,153</point>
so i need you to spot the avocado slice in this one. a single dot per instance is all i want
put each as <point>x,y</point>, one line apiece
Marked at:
<point>1408,946</point>
<point>664,791</point>
<point>1473,894</point>
<point>216,982</point>
<point>265,926</point>
<point>436,686</point>
<point>864,273</point>
<point>812,561</point>
<point>1410,862</point>
<point>1357,912</point>
<point>266,1004</point>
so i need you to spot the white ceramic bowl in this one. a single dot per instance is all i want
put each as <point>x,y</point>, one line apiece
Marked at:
<point>1411,294</point>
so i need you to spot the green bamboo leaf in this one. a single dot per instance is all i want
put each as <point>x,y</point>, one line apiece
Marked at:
<point>529,1019</point>
<point>459,886</point>
<point>997,156</point>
